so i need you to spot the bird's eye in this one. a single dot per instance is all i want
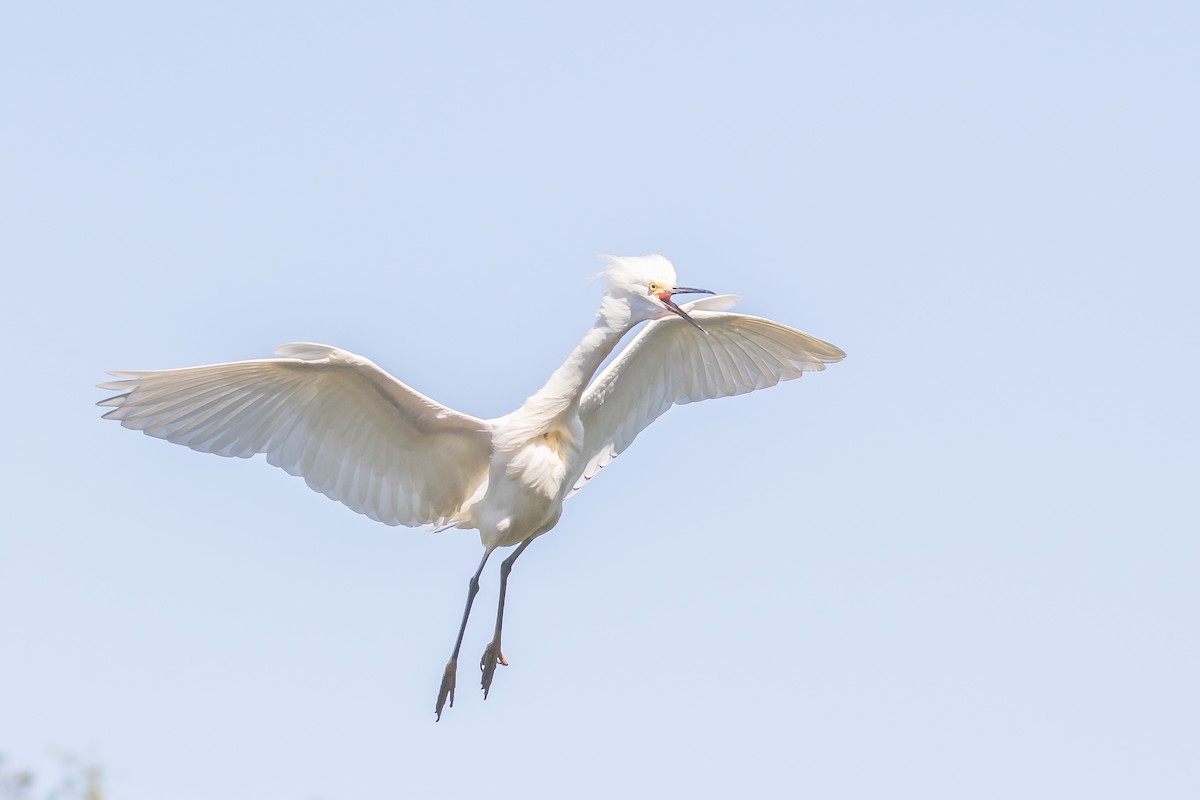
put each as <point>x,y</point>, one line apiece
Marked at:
<point>654,288</point>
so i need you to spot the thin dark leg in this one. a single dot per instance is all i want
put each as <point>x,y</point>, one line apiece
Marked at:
<point>492,655</point>
<point>446,692</point>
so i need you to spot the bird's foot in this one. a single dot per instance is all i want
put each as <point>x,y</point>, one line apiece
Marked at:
<point>447,691</point>
<point>491,657</point>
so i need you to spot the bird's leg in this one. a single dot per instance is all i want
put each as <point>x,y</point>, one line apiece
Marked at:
<point>492,655</point>
<point>446,692</point>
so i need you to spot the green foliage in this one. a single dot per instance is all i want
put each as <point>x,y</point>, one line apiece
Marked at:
<point>75,780</point>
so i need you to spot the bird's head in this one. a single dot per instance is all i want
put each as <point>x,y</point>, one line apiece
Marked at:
<point>647,283</point>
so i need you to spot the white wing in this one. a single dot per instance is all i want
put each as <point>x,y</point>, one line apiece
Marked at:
<point>671,362</point>
<point>353,432</point>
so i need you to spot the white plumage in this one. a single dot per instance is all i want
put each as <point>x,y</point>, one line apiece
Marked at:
<point>668,363</point>
<point>359,436</point>
<point>353,432</point>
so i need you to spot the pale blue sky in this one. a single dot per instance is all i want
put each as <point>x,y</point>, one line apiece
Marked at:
<point>962,563</point>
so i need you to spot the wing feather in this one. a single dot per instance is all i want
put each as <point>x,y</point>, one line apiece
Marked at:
<point>353,432</point>
<point>670,363</point>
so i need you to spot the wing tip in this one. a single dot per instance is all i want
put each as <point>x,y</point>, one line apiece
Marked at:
<point>306,351</point>
<point>114,402</point>
<point>836,355</point>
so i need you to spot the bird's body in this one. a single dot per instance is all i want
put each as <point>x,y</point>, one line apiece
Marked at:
<point>367,440</point>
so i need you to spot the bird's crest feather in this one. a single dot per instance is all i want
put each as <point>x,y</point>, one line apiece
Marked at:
<point>625,272</point>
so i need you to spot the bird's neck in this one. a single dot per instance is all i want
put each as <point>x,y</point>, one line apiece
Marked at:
<point>562,391</point>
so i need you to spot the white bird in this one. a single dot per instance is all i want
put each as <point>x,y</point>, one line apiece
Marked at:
<point>359,436</point>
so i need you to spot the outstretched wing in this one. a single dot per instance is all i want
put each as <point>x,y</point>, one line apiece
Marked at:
<point>352,431</point>
<point>671,362</point>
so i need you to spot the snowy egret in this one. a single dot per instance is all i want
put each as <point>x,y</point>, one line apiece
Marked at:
<point>359,436</point>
